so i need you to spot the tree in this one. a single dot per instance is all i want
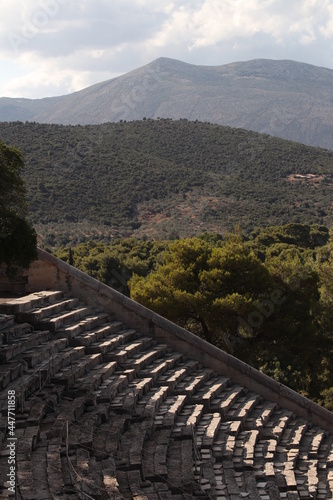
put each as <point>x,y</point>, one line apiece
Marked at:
<point>204,288</point>
<point>18,240</point>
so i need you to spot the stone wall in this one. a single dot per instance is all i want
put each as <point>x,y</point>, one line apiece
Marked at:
<point>14,285</point>
<point>50,273</point>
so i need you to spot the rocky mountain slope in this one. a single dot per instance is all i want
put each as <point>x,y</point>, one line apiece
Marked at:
<point>286,99</point>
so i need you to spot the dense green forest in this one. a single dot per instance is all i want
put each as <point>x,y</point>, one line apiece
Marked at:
<point>164,179</point>
<point>265,297</point>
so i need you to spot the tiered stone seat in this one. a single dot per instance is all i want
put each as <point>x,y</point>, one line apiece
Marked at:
<point>106,412</point>
<point>180,465</point>
<point>159,367</point>
<point>141,360</point>
<point>19,339</point>
<point>155,456</point>
<point>150,402</point>
<point>106,440</point>
<point>27,302</point>
<point>168,411</point>
<point>187,420</point>
<point>92,336</point>
<point>126,400</point>
<point>241,409</point>
<point>175,375</point>
<point>224,402</point>
<point>209,391</point>
<point>115,340</point>
<point>191,383</point>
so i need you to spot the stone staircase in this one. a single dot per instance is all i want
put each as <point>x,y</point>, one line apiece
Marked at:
<point>103,411</point>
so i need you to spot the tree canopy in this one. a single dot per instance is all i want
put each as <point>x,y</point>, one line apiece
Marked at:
<point>18,240</point>
<point>270,306</point>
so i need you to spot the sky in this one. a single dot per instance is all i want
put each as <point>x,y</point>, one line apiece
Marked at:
<point>56,47</point>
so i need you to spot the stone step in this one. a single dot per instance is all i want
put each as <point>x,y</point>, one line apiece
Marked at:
<point>64,358</point>
<point>176,374</point>
<point>124,352</point>
<point>67,412</point>
<point>37,314</point>
<point>151,401</point>
<point>25,478</point>
<point>245,444</point>
<point>190,384</point>
<point>92,381</point>
<point>6,321</point>
<point>34,300</point>
<point>260,415</point>
<point>141,360</point>
<point>110,388</point>
<point>131,445</point>
<point>207,478</point>
<point>154,463</point>
<point>224,402</point>
<point>311,442</point>
<point>69,375</point>
<point>160,366</point>
<point>277,423</point>
<point>206,431</point>
<point>293,434</point>
<point>187,420</point>
<point>16,332</point>
<point>180,463</point>
<point>233,487</point>
<point>92,336</point>
<point>112,342</point>
<point>241,409</point>
<point>22,344</point>
<point>107,436</point>
<point>83,463</point>
<point>39,471</point>
<point>82,432</point>
<point>126,400</point>
<point>9,373</point>
<point>306,475</point>
<point>27,442</point>
<point>224,442</point>
<point>85,323</point>
<point>55,323</point>
<point>54,470</point>
<point>264,453</point>
<point>168,411</point>
<point>110,483</point>
<point>210,390</point>
<point>44,353</point>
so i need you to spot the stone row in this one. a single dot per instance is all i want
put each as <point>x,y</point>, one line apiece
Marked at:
<point>111,411</point>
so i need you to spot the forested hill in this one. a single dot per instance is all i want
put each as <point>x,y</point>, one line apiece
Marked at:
<point>164,178</point>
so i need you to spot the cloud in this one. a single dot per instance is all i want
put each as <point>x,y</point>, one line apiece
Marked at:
<point>85,41</point>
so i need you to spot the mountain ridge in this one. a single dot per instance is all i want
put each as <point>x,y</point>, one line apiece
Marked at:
<point>283,98</point>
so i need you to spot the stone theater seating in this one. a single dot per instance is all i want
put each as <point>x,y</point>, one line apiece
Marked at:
<point>113,401</point>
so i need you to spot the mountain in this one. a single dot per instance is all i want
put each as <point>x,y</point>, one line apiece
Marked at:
<point>164,178</point>
<point>286,99</point>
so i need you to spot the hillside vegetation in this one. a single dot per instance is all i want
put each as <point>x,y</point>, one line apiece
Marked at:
<point>164,179</point>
